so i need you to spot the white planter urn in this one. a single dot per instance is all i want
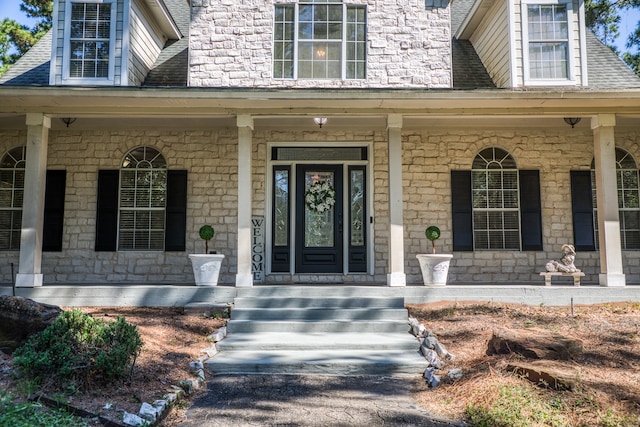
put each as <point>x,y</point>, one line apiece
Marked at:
<point>435,268</point>
<point>206,268</point>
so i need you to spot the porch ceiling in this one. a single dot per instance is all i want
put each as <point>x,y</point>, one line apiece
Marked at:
<point>343,122</point>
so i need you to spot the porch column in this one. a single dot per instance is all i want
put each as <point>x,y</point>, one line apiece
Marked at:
<point>30,267</point>
<point>396,275</point>
<point>603,127</point>
<point>244,278</point>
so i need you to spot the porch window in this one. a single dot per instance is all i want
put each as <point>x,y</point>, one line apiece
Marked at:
<point>89,40</point>
<point>628,199</point>
<point>496,215</point>
<point>319,39</point>
<point>12,168</point>
<point>143,196</point>
<point>547,42</point>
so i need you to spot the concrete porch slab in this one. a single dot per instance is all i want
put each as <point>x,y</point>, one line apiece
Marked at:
<point>163,295</point>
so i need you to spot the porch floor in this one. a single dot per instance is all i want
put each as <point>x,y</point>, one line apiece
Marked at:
<point>180,295</point>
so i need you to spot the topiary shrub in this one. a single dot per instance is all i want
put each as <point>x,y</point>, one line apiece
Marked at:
<point>432,233</point>
<point>206,233</point>
<point>81,350</point>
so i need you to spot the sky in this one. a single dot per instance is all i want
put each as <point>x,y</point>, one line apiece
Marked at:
<point>11,9</point>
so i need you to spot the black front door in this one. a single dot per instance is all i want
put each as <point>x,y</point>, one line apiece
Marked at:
<point>319,216</point>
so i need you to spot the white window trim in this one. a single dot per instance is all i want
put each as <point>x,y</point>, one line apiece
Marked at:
<point>524,13</point>
<point>134,209</point>
<point>296,42</point>
<point>13,208</point>
<point>66,57</point>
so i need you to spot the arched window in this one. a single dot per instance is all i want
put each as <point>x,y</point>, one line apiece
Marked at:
<point>11,197</point>
<point>628,199</point>
<point>495,195</point>
<point>143,197</point>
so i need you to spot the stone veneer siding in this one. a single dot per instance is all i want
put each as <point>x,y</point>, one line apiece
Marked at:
<point>210,156</point>
<point>408,45</point>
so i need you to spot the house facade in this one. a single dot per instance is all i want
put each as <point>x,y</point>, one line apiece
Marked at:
<point>319,139</point>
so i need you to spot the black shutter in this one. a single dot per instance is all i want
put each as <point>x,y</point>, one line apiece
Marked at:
<point>530,210</point>
<point>54,210</point>
<point>107,210</point>
<point>582,210</point>
<point>462,210</point>
<point>176,211</point>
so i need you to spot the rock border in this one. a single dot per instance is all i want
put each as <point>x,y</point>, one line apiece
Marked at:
<point>151,414</point>
<point>434,352</point>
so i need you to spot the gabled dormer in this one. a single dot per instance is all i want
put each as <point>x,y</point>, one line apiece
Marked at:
<point>528,43</point>
<point>108,42</point>
<point>320,44</point>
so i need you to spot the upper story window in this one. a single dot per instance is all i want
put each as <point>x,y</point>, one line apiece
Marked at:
<point>546,43</point>
<point>495,195</point>
<point>319,39</point>
<point>143,197</point>
<point>12,168</point>
<point>90,41</point>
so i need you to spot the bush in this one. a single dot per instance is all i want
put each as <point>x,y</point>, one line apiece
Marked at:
<point>76,348</point>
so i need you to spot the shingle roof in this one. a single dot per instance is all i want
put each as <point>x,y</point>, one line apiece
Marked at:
<point>33,68</point>
<point>606,70</point>
<point>459,10</point>
<point>172,64</point>
<point>468,70</point>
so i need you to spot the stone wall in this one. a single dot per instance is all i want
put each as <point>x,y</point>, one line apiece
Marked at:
<point>408,45</point>
<point>210,156</point>
<point>429,158</point>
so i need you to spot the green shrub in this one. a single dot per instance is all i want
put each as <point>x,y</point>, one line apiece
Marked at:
<point>80,349</point>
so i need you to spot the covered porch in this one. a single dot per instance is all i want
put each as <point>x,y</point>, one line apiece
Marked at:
<point>415,139</point>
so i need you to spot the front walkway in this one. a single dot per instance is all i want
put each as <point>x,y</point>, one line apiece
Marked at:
<point>302,400</point>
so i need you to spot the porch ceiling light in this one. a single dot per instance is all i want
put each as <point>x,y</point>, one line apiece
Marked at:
<point>320,121</point>
<point>68,120</point>
<point>573,121</point>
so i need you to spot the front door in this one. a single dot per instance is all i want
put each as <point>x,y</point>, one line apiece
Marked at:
<point>319,219</point>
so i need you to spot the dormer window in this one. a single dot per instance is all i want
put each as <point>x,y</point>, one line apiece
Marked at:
<point>546,32</point>
<point>89,42</point>
<point>319,39</point>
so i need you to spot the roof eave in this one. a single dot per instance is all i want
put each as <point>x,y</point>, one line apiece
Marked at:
<point>229,101</point>
<point>475,15</point>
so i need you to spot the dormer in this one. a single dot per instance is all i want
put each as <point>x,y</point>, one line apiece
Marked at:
<point>528,43</point>
<point>108,42</point>
<point>320,44</point>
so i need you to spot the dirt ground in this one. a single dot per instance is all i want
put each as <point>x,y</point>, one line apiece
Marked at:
<point>609,366</point>
<point>608,391</point>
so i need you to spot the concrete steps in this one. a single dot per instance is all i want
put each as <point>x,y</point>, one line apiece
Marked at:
<point>318,330</point>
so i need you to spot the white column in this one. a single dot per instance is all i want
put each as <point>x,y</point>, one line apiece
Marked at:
<point>396,275</point>
<point>244,278</point>
<point>603,127</point>
<point>30,268</point>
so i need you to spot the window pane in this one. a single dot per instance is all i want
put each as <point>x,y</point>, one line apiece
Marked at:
<point>356,192</point>
<point>495,200</point>
<point>281,207</point>
<point>143,186</point>
<point>548,41</point>
<point>319,22</point>
<point>89,40</point>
